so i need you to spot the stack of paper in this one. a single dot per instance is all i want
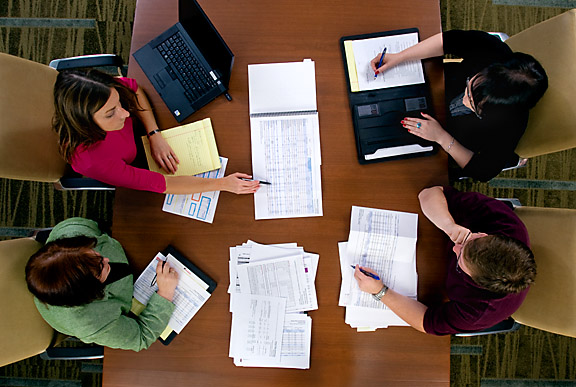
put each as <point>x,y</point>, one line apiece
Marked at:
<point>270,288</point>
<point>200,206</point>
<point>384,241</point>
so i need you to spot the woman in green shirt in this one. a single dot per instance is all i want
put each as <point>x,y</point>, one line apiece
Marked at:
<point>83,287</point>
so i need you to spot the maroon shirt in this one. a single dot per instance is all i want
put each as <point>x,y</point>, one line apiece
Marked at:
<point>472,308</point>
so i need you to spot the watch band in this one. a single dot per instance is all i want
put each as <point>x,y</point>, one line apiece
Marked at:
<point>378,296</point>
<point>153,132</point>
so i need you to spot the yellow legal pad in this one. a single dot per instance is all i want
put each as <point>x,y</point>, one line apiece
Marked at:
<point>351,63</point>
<point>195,146</point>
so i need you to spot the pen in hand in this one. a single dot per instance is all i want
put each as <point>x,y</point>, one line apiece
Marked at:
<point>260,181</point>
<point>156,275</point>
<point>366,273</point>
<point>380,63</point>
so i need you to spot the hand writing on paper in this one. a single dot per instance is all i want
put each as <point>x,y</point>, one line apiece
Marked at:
<point>167,279</point>
<point>367,284</point>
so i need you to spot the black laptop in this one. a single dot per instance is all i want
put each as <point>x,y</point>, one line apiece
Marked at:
<point>189,64</point>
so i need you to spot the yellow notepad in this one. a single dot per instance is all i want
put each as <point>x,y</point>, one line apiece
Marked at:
<point>351,63</point>
<point>195,146</point>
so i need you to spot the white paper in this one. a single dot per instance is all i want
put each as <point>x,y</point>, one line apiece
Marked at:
<point>199,206</point>
<point>398,150</point>
<point>407,73</point>
<point>384,241</point>
<point>257,327</point>
<point>189,296</point>
<point>295,353</point>
<point>281,277</point>
<point>286,153</point>
<point>285,139</point>
<point>282,87</point>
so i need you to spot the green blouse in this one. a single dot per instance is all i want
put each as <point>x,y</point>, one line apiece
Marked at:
<point>106,322</point>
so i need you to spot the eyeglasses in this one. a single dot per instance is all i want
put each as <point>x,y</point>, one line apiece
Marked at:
<point>469,95</point>
<point>458,269</point>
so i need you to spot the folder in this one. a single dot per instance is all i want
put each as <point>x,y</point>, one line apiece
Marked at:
<point>378,104</point>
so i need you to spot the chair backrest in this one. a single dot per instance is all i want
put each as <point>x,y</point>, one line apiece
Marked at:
<point>550,304</point>
<point>23,332</point>
<point>28,145</point>
<point>551,126</point>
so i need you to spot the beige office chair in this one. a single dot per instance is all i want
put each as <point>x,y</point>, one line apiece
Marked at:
<point>23,332</point>
<point>551,125</point>
<point>550,304</point>
<point>28,145</point>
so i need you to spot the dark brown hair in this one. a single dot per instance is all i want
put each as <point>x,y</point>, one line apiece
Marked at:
<point>77,96</point>
<point>500,264</point>
<point>518,82</point>
<point>66,272</point>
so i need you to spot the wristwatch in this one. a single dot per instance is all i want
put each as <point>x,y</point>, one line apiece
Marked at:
<point>378,296</point>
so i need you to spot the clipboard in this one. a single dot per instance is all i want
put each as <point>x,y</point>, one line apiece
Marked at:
<point>203,276</point>
<point>376,113</point>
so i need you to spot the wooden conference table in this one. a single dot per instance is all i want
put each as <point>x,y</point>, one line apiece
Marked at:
<point>265,31</point>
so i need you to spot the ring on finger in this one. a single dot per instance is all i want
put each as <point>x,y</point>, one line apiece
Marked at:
<point>169,156</point>
<point>418,125</point>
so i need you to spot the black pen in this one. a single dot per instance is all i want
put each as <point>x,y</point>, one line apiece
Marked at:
<point>260,181</point>
<point>366,273</point>
<point>156,275</point>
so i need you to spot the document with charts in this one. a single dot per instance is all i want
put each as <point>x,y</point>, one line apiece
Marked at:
<point>193,290</point>
<point>360,52</point>
<point>384,241</point>
<point>285,136</point>
<point>200,206</point>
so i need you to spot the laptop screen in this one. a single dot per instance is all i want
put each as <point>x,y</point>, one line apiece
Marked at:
<point>206,37</point>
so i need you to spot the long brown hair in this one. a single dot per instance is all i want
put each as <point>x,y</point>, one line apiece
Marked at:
<point>77,96</point>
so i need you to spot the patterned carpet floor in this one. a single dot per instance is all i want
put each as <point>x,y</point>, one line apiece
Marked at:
<point>44,30</point>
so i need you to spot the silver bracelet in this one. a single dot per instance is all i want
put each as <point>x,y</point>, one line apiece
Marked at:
<point>450,146</point>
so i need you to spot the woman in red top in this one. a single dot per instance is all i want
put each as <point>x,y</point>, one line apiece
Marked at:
<point>93,120</point>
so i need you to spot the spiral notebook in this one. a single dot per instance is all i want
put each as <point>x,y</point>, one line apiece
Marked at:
<point>285,139</point>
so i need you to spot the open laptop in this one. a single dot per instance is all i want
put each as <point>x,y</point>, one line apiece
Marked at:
<point>189,64</point>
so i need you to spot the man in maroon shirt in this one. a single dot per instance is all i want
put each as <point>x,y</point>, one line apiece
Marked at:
<point>490,267</point>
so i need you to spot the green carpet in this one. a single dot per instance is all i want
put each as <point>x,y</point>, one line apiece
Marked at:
<point>42,31</point>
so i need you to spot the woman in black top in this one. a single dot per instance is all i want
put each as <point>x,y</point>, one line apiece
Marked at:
<point>488,96</point>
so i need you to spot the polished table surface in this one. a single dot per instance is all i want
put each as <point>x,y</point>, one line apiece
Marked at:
<point>265,31</point>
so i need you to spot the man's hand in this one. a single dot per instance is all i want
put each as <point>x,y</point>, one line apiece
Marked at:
<point>367,284</point>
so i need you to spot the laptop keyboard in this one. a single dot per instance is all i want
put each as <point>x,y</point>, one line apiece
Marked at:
<point>186,67</point>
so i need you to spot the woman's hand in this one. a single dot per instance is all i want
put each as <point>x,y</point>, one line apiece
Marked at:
<point>367,284</point>
<point>389,61</point>
<point>167,280</point>
<point>234,183</point>
<point>427,128</point>
<point>163,154</point>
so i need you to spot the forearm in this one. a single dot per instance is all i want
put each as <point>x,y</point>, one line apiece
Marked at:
<point>192,184</point>
<point>146,115</point>
<point>435,207</point>
<point>457,151</point>
<point>408,309</point>
<point>428,48</point>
